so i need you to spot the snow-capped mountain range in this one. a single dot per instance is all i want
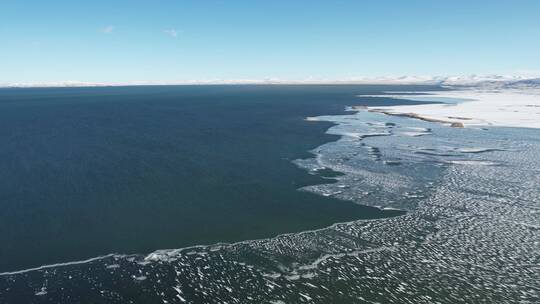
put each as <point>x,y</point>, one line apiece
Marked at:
<point>482,81</point>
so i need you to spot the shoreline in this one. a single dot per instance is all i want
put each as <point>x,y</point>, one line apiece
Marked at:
<point>416,116</point>
<point>473,108</point>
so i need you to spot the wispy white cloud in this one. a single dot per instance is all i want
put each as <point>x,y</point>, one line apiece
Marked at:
<point>171,32</point>
<point>108,29</point>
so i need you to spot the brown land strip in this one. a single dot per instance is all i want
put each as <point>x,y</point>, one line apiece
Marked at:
<point>416,116</point>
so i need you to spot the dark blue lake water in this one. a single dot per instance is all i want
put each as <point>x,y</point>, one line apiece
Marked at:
<point>90,171</point>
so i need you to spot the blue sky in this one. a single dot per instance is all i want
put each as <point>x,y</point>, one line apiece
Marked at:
<point>175,40</point>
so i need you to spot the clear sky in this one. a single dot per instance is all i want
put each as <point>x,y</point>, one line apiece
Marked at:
<point>174,40</point>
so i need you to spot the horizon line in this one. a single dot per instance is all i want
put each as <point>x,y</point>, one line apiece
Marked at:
<point>390,80</point>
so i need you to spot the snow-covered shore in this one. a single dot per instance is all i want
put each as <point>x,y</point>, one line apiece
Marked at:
<point>506,107</point>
